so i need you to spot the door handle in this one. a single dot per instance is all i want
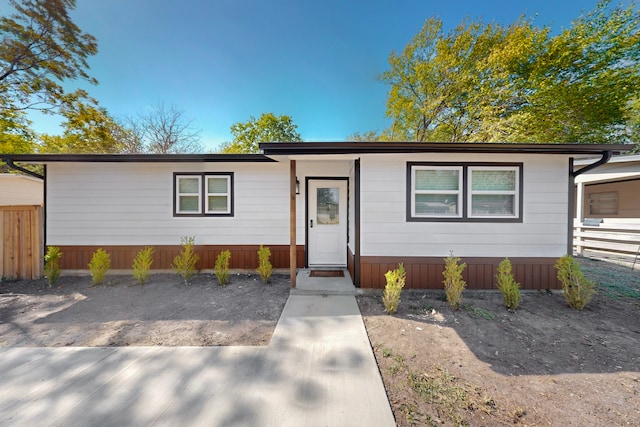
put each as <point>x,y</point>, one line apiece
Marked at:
<point>311,223</point>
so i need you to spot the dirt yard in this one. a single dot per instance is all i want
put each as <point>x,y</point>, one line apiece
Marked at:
<point>122,313</point>
<point>544,364</point>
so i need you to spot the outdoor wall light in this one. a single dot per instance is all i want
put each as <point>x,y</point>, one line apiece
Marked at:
<point>297,186</point>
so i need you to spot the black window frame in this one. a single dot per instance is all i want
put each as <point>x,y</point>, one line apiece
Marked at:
<point>203,194</point>
<point>465,208</point>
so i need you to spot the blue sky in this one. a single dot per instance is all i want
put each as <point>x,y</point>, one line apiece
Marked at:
<point>222,61</point>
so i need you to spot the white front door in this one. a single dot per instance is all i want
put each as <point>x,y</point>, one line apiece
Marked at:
<point>327,223</point>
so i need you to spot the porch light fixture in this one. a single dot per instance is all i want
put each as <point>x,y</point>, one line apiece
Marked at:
<point>297,186</point>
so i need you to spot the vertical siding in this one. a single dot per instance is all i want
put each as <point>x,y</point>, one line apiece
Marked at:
<point>21,243</point>
<point>385,231</point>
<point>426,272</point>
<point>243,257</point>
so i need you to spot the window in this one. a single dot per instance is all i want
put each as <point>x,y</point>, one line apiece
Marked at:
<point>437,191</point>
<point>464,192</point>
<point>493,192</point>
<point>203,194</point>
<point>603,203</point>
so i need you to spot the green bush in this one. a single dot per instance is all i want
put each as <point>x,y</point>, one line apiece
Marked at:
<point>99,265</point>
<point>264,265</point>
<point>142,264</point>
<point>222,267</point>
<point>507,285</point>
<point>578,290</point>
<point>395,282</point>
<point>453,283</point>
<point>185,262</point>
<point>52,264</point>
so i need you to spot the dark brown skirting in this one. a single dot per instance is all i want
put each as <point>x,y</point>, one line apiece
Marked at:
<point>243,257</point>
<point>326,273</point>
<point>426,272</point>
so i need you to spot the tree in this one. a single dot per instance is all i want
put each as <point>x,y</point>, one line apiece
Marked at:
<point>585,79</point>
<point>15,134</point>
<point>164,130</point>
<point>40,49</point>
<point>374,136</point>
<point>267,128</point>
<point>487,82</point>
<point>633,123</point>
<point>88,128</point>
<point>15,137</point>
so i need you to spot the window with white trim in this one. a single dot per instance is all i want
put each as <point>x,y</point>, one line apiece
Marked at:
<point>472,192</point>
<point>203,194</point>
<point>493,192</point>
<point>437,191</point>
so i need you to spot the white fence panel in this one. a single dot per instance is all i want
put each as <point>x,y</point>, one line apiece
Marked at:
<point>616,240</point>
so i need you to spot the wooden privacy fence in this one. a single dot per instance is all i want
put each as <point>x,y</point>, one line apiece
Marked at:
<point>21,244</point>
<point>610,239</point>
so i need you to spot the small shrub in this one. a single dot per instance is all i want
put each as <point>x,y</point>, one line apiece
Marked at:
<point>395,282</point>
<point>222,267</point>
<point>185,262</point>
<point>507,285</point>
<point>578,290</point>
<point>52,264</point>
<point>142,264</point>
<point>99,265</point>
<point>453,283</point>
<point>264,265</point>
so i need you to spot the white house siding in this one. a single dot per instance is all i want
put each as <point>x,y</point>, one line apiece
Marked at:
<point>386,232</point>
<point>19,190</point>
<point>132,204</point>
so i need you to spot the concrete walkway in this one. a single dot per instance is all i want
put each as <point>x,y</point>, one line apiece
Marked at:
<point>318,370</point>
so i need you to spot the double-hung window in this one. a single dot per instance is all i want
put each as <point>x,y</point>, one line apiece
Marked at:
<point>437,191</point>
<point>470,192</point>
<point>203,194</point>
<point>493,192</point>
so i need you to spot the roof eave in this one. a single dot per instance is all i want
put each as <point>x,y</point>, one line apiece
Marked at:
<point>301,148</point>
<point>137,158</point>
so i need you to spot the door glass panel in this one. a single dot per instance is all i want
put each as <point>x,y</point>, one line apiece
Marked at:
<point>328,206</point>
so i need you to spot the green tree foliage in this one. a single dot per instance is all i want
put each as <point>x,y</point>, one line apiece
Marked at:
<point>99,265</point>
<point>268,128</point>
<point>395,282</point>
<point>40,49</point>
<point>52,264</point>
<point>185,262</point>
<point>488,82</point>
<point>15,134</point>
<point>264,264</point>
<point>453,281</point>
<point>578,290</point>
<point>385,135</point>
<point>222,267</point>
<point>88,128</point>
<point>142,264</point>
<point>633,123</point>
<point>507,285</point>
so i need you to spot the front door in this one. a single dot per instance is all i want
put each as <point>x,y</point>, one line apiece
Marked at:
<point>327,223</point>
